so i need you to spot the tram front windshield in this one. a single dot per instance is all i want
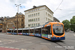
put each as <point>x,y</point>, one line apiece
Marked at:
<point>58,29</point>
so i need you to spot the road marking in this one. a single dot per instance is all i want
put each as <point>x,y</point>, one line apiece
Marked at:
<point>74,34</point>
<point>23,49</point>
<point>0,41</point>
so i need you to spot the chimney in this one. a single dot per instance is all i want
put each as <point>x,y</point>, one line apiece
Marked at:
<point>34,6</point>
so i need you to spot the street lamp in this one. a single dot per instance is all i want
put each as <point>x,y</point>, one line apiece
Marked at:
<point>17,14</point>
<point>18,7</point>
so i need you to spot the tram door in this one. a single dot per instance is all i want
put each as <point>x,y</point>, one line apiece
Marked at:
<point>46,32</point>
<point>49,31</point>
<point>38,32</point>
<point>26,32</point>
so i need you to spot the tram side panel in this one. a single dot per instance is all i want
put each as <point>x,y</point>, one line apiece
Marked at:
<point>9,32</point>
<point>38,32</point>
<point>31,32</point>
<point>20,32</point>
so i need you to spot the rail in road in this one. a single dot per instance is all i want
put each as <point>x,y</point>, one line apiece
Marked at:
<point>62,44</point>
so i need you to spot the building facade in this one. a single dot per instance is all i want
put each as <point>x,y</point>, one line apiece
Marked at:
<point>11,22</point>
<point>56,20</point>
<point>38,16</point>
<point>1,24</point>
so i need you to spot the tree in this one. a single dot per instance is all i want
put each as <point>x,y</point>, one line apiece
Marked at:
<point>66,24</point>
<point>72,21</point>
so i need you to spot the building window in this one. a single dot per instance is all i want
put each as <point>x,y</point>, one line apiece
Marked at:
<point>46,18</point>
<point>46,13</point>
<point>21,24</point>
<point>34,24</point>
<point>28,25</point>
<point>34,9</point>
<point>38,24</point>
<point>38,14</point>
<point>38,19</point>
<point>38,8</point>
<point>34,19</point>
<point>15,23</point>
<point>28,15</point>
<point>34,14</point>
<point>22,20</point>
<point>22,15</point>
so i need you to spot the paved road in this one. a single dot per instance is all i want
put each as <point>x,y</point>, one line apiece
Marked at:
<point>20,42</point>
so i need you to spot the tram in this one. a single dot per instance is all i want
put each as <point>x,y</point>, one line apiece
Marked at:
<point>50,31</point>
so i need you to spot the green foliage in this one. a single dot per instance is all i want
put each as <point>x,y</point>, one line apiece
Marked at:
<point>66,24</point>
<point>72,21</point>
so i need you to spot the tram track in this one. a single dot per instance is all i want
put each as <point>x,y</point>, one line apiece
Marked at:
<point>63,45</point>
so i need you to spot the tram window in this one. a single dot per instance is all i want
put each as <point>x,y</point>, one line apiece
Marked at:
<point>20,31</point>
<point>49,29</point>
<point>38,30</point>
<point>44,30</point>
<point>11,30</point>
<point>31,30</point>
<point>23,31</point>
<point>15,31</point>
<point>26,31</point>
<point>8,31</point>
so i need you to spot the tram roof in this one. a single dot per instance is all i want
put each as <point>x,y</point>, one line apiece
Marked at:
<point>33,27</point>
<point>28,28</point>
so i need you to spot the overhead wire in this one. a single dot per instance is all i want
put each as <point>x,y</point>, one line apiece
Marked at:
<point>59,5</point>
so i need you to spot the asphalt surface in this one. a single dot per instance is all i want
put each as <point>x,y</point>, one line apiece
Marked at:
<point>20,42</point>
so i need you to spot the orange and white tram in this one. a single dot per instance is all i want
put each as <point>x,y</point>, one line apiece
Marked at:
<point>50,31</point>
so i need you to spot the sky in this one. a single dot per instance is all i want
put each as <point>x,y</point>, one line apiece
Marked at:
<point>63,9</point>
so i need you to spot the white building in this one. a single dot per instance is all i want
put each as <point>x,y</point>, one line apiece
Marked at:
<point>38,16</point>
